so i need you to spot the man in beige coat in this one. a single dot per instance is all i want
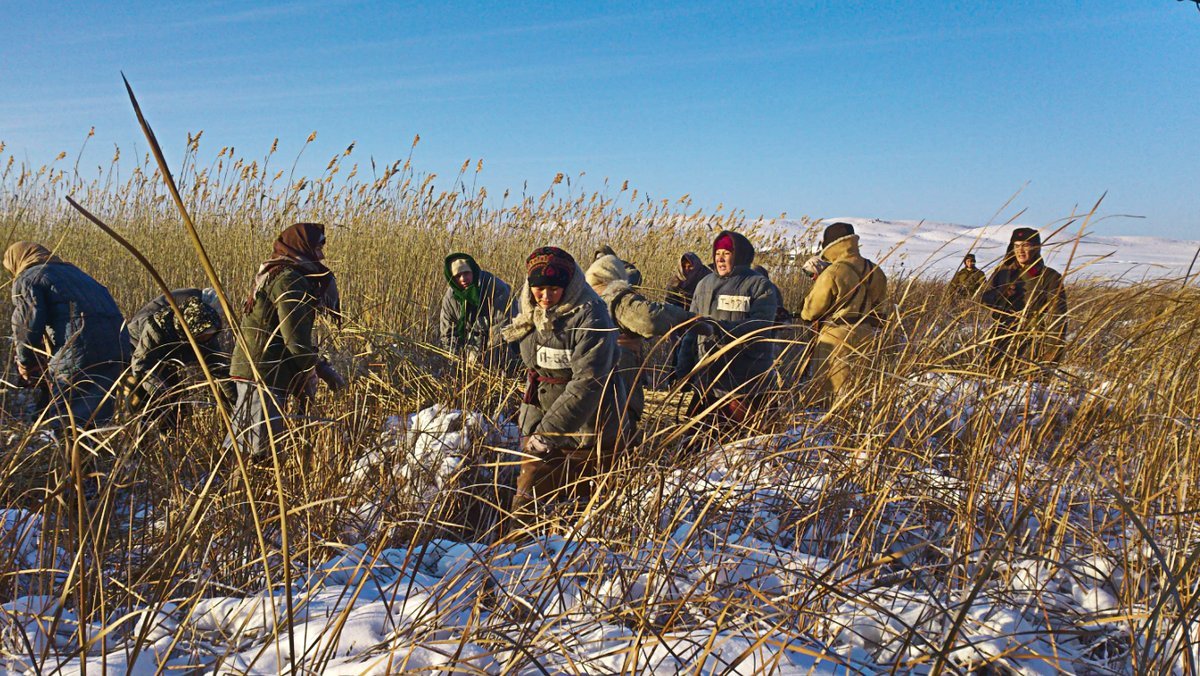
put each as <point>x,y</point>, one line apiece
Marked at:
<point>847,304</point>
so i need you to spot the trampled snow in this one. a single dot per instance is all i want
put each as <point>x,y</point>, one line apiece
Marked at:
<point>936,249</point>
<point>734,579</point>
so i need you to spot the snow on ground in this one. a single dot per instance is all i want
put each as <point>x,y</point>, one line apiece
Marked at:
<point>723,570</point>
<point>931,248</point>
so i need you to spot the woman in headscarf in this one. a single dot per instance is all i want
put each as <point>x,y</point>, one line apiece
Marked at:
<point>475,305</point>
<point>277,329</point>
<point>68,334</point>
<point>570,418</point>
<point>684,354</point>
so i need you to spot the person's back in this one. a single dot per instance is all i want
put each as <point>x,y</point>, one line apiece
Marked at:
<point>278,332</point>
<point>73,314</point>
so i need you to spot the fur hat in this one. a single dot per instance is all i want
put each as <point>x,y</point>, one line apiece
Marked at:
<point>835,232</point>
<point>549,266</point>
<point>969,257</point>
<point>1026,235</point>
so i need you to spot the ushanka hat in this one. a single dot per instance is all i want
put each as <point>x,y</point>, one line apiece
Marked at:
<point>833,233</point>
<point>550,266</point>
<point>1026,235</point>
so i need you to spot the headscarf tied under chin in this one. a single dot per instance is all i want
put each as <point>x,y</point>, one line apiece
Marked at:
<point>296,247</point>
<point>21,255</point>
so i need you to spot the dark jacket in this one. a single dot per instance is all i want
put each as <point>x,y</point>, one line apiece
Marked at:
<point>742,303</point>
<point>58,306</point>
<point>477,320</point>
<point>278,332</point>
<point>1030,305</point>
<point>155,339</point>
<point>683,284</point>
<point>967,283</point>
<point>571,353</point>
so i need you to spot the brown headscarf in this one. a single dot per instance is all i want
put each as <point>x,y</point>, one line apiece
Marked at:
<point>296,247</point>
<point>21,255</point>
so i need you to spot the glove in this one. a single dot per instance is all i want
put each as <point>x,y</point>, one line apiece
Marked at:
<point>536,445</point>
<point>333,380</point>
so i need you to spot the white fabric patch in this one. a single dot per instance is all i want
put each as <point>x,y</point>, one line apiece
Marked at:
<point>553,358</point>
<point>733,303</point>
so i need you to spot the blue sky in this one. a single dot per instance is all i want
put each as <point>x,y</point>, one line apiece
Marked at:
<point>898,110</point>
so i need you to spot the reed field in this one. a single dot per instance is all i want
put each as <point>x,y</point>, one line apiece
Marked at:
<point>941,520</point>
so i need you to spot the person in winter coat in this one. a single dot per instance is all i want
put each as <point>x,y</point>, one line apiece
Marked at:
<point>277,328</point>
<point>160,346</point>
<point>637,319</point>
<point>740,304</point>
<point>476,304</point>
<point>635,275</point>
<point>1029,304</point>
<point>847,303</point>
<point>685,352</point>
<point>570,418</point>
<point>68,334</point>
<point>969,280</point>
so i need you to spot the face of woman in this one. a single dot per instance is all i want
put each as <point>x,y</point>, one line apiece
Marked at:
<point>724,260</point>
<point>547,296</point>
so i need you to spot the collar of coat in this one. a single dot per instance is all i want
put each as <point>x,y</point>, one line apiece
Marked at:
<point>532,316</point>
<point>843,247</point>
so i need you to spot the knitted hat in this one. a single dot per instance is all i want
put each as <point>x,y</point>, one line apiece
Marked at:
<point>1026,235</point>
<point>550,266</point>
<point>458,266</point>
<point>835,232</point>
<point>198,315</point>
<point>725,242</point>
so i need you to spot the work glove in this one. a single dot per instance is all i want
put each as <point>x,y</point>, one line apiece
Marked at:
<point>814,266</point>
<point>536,445</point>
<point>333,380</point>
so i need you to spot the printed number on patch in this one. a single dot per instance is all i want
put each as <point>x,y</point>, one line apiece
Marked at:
<point>553,358</point>
<point>733,303</point>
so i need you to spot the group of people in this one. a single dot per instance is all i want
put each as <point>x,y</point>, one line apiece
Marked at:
<point>579,335</point>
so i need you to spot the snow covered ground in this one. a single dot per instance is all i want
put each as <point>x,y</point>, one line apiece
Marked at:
<point>726,569</point>
<point>937,248</point>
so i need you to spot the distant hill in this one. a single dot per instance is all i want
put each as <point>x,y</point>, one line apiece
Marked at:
<point>936,249</point>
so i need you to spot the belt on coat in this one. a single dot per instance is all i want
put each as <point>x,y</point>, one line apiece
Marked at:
<point>532,379</point>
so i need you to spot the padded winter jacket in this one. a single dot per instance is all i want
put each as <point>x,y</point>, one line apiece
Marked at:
<point>279,332</point>
<point>570,351</point>
<point>741,303</point>
<point>852,291</point>
<point>1031,306</point>
<point>478,321</point>
<point>59,308</point>
<point>968,283</point>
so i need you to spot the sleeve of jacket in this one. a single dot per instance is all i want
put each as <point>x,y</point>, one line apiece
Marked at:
<point>448,320</point>
<point>501,305</point>
<point>646,318</point>
<point>821,297</point>
<point>993,293</point>
<point>28,320</point>
<point>297,310</point>
<point>150,340</point>
<point>591,363</point>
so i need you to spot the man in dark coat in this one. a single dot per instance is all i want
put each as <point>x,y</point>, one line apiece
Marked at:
<point>160,347</point>
<point>969,280</point>
<point>1029,304</point>
<point>476,305</point>
<point>277,328</point>
<point>68,334</point>
<point>741,305</point>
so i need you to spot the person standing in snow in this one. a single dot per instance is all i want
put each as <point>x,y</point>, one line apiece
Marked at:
<point>1029,304</point>
<point>741,306</point>
<point>637,319</point>
<point>969,280</point>
<point>160,347</point>
<point>631,270</point>
<point>847,305</point>
<point>476,305</point>
<point>570,417</point>
<point>277,329</point>
<point>68,334</point>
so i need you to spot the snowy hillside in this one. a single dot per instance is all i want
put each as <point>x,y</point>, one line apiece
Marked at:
<point>936,248</point>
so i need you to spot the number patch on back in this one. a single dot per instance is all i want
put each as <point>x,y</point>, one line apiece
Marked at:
<point>733,303</point>
<point>553,358</point>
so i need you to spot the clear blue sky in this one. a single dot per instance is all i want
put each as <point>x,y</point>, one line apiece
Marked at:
<point>898,110</point>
